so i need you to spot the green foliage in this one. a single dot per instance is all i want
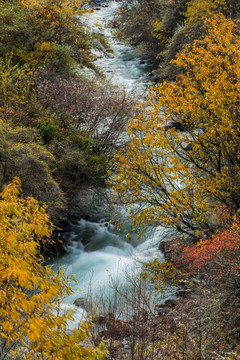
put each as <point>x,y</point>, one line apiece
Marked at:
<point>31,325</point>
<point>23,155</point>
<point>15,33</point>
<point>163,275</point>
<point>75,122</point>
<point>63,114</point>
<point>80,140</point>
<point>48,129</point>
<point>18,101</point>
<point>77,165</point>
<point>44,32</point>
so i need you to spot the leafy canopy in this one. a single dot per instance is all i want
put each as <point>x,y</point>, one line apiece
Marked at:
<point>46,31</point>
<point>198,11</point>
<point>31,323</point>
<point>183,158</point>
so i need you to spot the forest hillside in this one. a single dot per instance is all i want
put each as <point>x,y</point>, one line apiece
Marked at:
<point>61,132</point>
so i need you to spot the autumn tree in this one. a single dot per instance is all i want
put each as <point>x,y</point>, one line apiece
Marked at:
<point>183,158</point>
<point>40,32</point>
<point>18,101</point>
<point>182,22</point>
<point>217,257</point>
<point>31,323</point>
<point>198,11</point>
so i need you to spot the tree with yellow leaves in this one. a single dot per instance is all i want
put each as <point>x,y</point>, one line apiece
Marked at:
<point>45,32</point>
<point>183,159</point>
<point>31,323</point>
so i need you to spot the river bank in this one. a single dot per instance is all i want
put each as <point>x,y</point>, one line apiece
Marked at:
<point>201,322</point>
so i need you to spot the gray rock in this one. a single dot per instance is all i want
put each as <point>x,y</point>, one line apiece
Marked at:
<point>82,303</point>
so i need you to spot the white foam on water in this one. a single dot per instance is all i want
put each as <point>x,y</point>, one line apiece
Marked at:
<point>97,252</point>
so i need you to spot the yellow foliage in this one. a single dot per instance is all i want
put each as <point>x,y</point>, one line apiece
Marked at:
<point>183,158</point>
<point>199,10</point>
<point>45,32</point>
<point>31,325</point>
<point>160,32</point>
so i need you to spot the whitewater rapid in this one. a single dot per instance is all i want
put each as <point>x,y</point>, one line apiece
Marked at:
<point>99,255</point>
<point>123,67</point>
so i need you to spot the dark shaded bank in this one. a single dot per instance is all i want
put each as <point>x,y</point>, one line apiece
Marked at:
<point>159,29</point>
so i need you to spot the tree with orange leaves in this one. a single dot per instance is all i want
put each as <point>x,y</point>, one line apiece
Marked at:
<point>183,158</point>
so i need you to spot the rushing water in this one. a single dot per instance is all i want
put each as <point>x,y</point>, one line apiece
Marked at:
<point>123,67</point>
<point>99,255</point>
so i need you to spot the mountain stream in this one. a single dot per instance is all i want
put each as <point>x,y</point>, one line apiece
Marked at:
<point>98,255</point>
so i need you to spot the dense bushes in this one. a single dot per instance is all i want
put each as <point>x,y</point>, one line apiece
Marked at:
<point>74,122</point>
<point>44,32</point>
